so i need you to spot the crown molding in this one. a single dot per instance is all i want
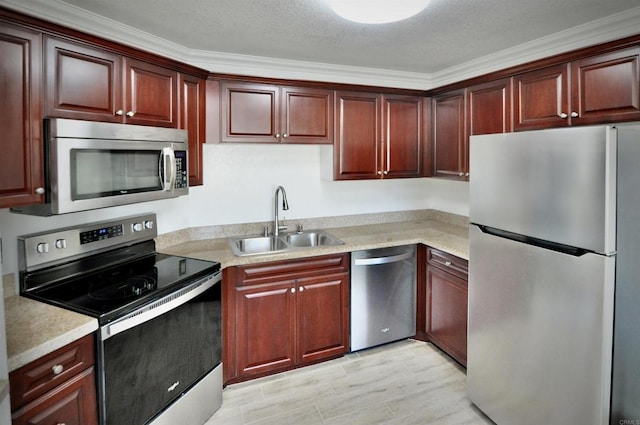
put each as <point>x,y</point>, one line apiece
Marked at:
<point>227,63</point>
<point>602,30</point>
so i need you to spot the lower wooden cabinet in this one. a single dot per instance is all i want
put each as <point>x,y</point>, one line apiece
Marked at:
<point>285,314</point>
<point>73,402</point>
<point>58,388</point>
<point>447,300</point>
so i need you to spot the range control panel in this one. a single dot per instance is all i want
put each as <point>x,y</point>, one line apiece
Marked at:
<point>42,249</point>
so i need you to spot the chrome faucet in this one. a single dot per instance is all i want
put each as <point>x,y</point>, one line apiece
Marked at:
<point>285,207</point>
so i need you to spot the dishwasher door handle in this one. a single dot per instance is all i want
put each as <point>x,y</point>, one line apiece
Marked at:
<point>382,260</point>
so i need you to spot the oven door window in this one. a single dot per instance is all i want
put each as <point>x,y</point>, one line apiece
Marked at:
<point>96,173</point>
<point>150,365</point>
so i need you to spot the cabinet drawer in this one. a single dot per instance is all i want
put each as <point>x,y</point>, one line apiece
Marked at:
<point>40,376</point>
<point>450,263</point>
<point>292,269</point>
<point>73,402</point>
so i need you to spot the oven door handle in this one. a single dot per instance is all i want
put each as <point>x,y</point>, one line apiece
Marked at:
<point>159,307</point>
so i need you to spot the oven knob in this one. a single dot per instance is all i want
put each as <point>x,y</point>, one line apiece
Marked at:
<point>137,227</point>
<point>61,243</point>
<point>42,248</point>
<point>148,224</point>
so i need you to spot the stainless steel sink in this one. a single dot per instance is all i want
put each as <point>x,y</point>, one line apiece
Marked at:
<point>257,245</point>
<point>312,238</point>
<point>261,245</point>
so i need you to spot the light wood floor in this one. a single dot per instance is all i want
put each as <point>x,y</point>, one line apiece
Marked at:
<point>403,383</point>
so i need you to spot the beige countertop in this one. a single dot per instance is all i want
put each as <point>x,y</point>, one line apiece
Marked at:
<point>35,329</point>
<point>452,238</point>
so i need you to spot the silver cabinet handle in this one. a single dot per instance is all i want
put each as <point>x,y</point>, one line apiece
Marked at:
<point>466,174</point>
<point>285,135</point>
<point>447,263</point>
<point>385,172</point>
<point>277,135</point>
<point>461,174</point>
<point>57,369</point>
<point>119,112</point>
<point>563,115</point>
<point>40,190</point>
<point>301,289</point>
<point>379,173</point>
<point>293,290</point>
<point>130,113</point>
<point>382,260</point>
<point>575,115</point>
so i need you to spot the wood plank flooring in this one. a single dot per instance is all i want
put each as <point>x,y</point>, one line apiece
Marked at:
<point>404,383</point>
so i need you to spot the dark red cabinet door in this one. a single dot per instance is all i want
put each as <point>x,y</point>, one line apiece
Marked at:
<point>356,149</point>
<point>450,142</point>
<point>606,88</point>
<point>541,98</point>
<point>192,119</point>
<point>402,136</point>
<point>21,175</point>
<point>82,82</point>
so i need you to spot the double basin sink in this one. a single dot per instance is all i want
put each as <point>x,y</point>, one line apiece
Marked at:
<point>285,242</point>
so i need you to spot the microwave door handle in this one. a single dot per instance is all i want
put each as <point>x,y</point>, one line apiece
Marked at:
<point>169,170</point>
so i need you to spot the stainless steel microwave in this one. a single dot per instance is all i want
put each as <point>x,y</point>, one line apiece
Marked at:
<point>92,165</point>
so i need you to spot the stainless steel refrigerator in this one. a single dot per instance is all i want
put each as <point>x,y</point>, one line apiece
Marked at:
<point>554,258</point>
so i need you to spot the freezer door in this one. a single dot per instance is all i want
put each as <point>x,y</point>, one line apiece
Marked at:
<point>556,185</point>
<point>540,331</point>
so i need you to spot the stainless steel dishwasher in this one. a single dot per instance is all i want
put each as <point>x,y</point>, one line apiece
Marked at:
<point>383,295</point>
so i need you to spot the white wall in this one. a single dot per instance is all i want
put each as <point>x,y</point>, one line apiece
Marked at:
<point>239,183</point>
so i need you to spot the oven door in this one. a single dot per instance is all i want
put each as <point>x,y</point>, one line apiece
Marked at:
<point>152,356</point>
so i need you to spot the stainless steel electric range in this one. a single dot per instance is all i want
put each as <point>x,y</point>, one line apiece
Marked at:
<point>159,343</point>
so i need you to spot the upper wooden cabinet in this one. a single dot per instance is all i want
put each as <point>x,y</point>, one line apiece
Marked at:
<point>151,94</point>
<point>192,117</point>
<point>83,82</point>
<point>597,89</point>
<point>450,142</point>
<point>605,88</point>
<point>264,113</point>
<point>541,98</point>
<point>489,108</point>
<point>21,176</point>
<point>378,136</point>
<point>480,109</point>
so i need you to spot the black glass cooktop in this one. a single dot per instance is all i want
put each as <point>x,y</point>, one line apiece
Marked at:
<point>111,292</point>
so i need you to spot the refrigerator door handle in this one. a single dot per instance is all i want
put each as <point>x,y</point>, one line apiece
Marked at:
<point>540,243</point>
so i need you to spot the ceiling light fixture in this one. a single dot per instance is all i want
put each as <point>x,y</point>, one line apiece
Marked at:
<point>377,11</point>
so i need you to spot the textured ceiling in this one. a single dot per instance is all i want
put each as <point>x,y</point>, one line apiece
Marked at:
<point>447,33</point>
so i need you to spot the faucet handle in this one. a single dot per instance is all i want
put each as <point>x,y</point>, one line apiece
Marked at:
<point>299,228</point>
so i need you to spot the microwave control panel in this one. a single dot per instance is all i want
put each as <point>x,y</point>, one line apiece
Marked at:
<point>182,176</point>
